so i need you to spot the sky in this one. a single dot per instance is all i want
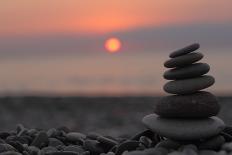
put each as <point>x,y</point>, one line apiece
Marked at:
<point>57,46</point>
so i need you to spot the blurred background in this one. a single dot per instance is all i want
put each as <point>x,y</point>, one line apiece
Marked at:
<point>102,51</point>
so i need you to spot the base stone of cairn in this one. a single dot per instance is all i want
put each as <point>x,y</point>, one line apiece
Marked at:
<point>189,114</point>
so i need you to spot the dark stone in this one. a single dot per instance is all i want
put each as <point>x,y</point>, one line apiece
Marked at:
<point>168,144</point>
<point>6,147</point>
<point>147,133</point>
<point>107,143</point>
<point>189,86</point>
<point>54,142</point>
<point>127,146</point>
<point>40,140</point>
<point>213,143</point>
<point>183,60</point>
<point>184,129</point>
<point>186,72</point>
<point>75,137</point>
<point>185,50</point>
<point>147,142</point>
<point>200,104</point>
<point>93,146</point>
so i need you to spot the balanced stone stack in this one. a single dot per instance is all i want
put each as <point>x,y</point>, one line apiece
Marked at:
<point>190,114</point>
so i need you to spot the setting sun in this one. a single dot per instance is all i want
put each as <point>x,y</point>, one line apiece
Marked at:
<point>113,45</point>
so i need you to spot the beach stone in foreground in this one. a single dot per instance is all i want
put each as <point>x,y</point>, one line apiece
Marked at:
<point>183,60</point>
<point>188,86</point>
<point>185,50</point>
<point>200,104</point>
<point>184,129</point>
<point>189,71</point>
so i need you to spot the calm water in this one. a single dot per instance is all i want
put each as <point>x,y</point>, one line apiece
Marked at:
<point>101,74</point>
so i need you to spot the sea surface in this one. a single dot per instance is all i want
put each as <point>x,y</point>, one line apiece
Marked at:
<point>102,73</point>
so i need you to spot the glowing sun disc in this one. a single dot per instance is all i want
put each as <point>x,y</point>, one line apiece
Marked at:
<point>113,45</point>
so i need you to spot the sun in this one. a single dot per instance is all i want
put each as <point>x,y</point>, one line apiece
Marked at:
<point>113,45</point>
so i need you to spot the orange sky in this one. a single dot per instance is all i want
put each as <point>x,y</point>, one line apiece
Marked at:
<point>52,16</point>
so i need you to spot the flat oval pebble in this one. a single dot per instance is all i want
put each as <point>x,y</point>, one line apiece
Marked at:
<point>185,50</point>
<point>200,104</point>
<point>75,136</point>
<point>183,60</point>
<point>189,71</point>
<point>184,129</point>
<point>188,86</point>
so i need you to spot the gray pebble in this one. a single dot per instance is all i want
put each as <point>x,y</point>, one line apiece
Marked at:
<point>184,129</point>
<point>54,142</point>
<point>184,60</point>
<point>200,104</point>
<point>185,50</point>
<point>189,71</point>
<point>75,137</point>
<point>6,147</point>
<point>188,86</point>
<point>214,143</point>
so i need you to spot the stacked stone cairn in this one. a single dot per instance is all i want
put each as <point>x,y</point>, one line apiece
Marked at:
<point>188,115</point>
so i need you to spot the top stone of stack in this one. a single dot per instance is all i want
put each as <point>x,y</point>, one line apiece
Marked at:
<point>185,50</point>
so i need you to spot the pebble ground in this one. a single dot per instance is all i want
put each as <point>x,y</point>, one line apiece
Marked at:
<point>63,141</point>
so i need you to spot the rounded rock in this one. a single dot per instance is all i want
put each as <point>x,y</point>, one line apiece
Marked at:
<point>200,104</point>
<point>184,129</point>
<point>189,71</point>
<point>183,60</point>
<point>185,50</point>
<point>213,143</point>
<point>189,86</point>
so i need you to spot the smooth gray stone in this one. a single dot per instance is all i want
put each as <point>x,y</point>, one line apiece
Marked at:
<point>200,104</point>
<point>75,136</point>
<point>188,86</point>
<point>185,50</point>
<point>183,60</point>
<point>184,129</point>
<point>189,71</point>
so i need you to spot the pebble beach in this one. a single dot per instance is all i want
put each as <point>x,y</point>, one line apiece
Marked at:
<point>115,117</point>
